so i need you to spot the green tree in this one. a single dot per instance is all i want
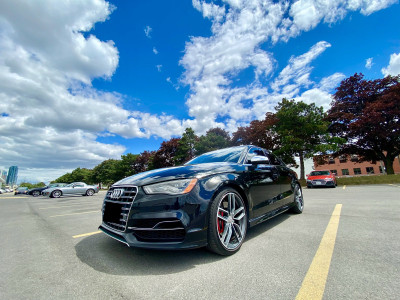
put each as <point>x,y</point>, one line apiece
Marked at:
<point>366,113</point>
<point>215,138</point>
<point>186,146</point>
<point>302,131</point>
<point>79,174</point>
<point>127,164</point>
<point>107,172</point>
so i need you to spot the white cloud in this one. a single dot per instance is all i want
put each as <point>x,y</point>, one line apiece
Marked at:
<point>394,65</point>
<point>147,31</point>
<point>369,63</point>
<point>51,117</point>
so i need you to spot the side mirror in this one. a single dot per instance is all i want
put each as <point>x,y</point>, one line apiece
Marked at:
<point>258,160</point>
<point>308,175</point>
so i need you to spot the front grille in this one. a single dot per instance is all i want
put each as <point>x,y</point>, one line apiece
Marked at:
<point>319,182</point>
<point>116,206</point>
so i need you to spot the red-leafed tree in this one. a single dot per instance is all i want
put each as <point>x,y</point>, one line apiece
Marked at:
<point>367,114</point>
<point>143,161</point>
<point>258,133</point>
<point>164,157</point>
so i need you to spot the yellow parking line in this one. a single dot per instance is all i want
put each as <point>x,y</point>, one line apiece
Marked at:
<point>344,187</point>
<point>86,234</point>
<point>81,213</point>
<point>313,285</point>
<point>394,185</point>
<point>14,197</point>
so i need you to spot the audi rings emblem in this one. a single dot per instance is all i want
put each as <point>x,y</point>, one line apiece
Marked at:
<point>117,193</point>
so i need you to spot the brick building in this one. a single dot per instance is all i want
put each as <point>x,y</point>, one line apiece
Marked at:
<point>349,166</point>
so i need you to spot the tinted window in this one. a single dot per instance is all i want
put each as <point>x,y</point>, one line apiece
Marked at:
<point>223,155</point>
<point>274,160</point>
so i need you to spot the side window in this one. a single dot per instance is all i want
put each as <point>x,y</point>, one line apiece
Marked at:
<point>253,152</point>
<point>79,185</point>
<point>274,160</point>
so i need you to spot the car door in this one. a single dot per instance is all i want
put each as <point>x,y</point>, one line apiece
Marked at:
<point>263,182</point>
<point>284,181</point>
<point>79,189</point>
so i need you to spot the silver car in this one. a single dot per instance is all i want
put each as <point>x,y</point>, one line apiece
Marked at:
<point>75,188</point>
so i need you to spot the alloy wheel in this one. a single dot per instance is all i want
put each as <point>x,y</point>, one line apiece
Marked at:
<point>231,221</point>
<point>299,199</point>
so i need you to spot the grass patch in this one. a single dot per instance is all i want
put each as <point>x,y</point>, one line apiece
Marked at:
<point>379,179</point>
<point>360,180</point>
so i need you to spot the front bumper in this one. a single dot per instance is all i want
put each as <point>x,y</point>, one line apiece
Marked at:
<point>155,221</point>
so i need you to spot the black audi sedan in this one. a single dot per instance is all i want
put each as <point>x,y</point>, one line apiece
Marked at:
<point>210,201</point>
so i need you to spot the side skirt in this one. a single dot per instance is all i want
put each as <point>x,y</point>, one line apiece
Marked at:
<point>269,215</point>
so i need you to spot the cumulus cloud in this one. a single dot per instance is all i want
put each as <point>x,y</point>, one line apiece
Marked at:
<point>394,65</point>
<point>369,63</point>
<point>239,31</point>
<point>51,116</point>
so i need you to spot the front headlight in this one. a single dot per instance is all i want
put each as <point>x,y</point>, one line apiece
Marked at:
<point>174,187</point>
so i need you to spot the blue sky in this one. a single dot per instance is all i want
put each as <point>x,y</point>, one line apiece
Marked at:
<point>86,81</point>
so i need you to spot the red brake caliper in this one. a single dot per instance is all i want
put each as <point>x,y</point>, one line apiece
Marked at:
<point>220,223</point>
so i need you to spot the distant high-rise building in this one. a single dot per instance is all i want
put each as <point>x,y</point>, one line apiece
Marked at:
<point>3,175</point>
<point>12,175</point>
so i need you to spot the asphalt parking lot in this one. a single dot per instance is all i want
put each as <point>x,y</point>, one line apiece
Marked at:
<point>345,245</point>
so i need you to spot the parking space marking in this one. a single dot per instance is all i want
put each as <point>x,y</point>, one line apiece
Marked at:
<point>71,205</point>
<point>81,213</point>
<point>86,234</point>
<point>7,197</point>
<point>394,185</point>
<point>313,285</point>
<point>344,187</point>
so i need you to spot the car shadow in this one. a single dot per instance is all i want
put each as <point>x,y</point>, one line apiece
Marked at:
<point>112,257</point>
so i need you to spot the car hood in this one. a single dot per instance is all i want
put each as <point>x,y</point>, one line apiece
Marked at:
<point>323,177</point>
<point>187,171</point>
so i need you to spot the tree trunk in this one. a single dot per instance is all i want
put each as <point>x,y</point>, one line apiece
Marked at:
<point>388,161</point>
<point>302,177</point>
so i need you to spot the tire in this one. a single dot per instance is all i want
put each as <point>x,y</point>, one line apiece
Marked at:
<point>298,200</point>
<point>89,192</point>
<point>227,224</point>
<point>35,193</point>
<point>56,194</point>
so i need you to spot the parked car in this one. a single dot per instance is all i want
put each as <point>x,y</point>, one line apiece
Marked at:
<point>21,190</point>
<point>321,179</point>
<point>38,191</point>
<point>210,201</point>
<point>2,191</point>
<point>75,188</point>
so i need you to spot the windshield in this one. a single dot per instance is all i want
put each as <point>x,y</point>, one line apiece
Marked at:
<point>319,173</point>
<point>22,188</point>
<point>223,155</point>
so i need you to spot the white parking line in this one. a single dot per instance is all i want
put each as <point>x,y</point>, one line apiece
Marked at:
<point>81,213</point>
<point>71,205</point>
